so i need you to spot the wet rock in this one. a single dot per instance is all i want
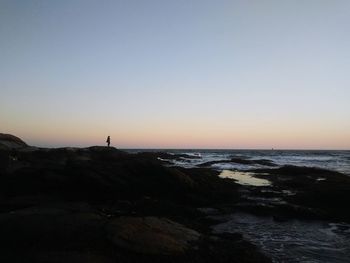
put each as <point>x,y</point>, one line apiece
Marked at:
<point>323,199</point>
<point>264,162</point>
<point>260,161</point>
<point>298,170</point>
<point>152,235</point>
<point>208,210</point>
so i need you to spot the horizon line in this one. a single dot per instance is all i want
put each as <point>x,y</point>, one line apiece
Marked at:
<point>202,149</point>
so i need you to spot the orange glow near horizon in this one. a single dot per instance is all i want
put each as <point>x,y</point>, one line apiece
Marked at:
<point>186,135</point>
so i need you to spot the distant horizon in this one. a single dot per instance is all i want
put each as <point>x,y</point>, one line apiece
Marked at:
<point>233,149</point>
<point>189,149</point>
<point>122,147</point>
<point>195,74</point>
<point>172,148</point>
<point>141,147</point>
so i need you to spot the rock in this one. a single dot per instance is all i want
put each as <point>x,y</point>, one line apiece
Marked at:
<point>152,235</point>
<point>298,170</point>
<point>70,257</point>
<point>264,162</point>
<point>8,141</point>
<point>32,232</point>
<point>100,204</point>
<point>208,210</point>
<point>325,199</point>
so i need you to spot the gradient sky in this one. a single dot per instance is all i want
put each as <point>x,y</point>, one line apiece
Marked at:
<point>176,74</point>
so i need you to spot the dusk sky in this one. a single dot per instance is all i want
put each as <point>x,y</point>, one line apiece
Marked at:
<point>176,74</point>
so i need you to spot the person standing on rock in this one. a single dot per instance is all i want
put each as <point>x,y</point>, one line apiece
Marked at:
<point>108,141</point>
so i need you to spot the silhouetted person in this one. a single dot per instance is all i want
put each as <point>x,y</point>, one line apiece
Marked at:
<point>108,141</point>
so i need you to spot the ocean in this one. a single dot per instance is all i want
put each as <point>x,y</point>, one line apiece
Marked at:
<point>292,241</point>
<point>335,160</point>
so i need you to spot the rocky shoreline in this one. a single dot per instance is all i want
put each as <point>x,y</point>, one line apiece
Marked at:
<point>99,204</point>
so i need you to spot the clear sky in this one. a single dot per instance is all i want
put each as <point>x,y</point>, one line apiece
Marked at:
<point>176,74</point>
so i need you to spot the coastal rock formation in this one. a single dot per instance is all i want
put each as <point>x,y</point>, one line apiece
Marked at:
<point>321,191</point>
<point>8,141</point>
<point>152,235</point>
<point>264,162</point>
<point>99,204</point>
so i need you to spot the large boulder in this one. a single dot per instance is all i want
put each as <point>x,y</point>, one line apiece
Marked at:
<point>151,235</point>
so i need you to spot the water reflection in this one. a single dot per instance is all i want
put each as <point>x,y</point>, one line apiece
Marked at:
<point>244,178</point>
<point>293,241</point>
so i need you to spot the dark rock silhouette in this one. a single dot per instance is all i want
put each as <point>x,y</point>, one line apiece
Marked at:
<point>99,204</point>
<point>239,161</point>
<point>151,235</point>
<point>320,193</point>
<point>8,141</point>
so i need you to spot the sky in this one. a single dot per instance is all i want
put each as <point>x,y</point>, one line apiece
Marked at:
<point>176,74</point>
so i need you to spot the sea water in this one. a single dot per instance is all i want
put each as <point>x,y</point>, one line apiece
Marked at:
<point>290,241</point>
<point>293,240</point>
<point>332,160</point>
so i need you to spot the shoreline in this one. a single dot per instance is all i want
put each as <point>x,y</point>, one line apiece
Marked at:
<point>103,202</point>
